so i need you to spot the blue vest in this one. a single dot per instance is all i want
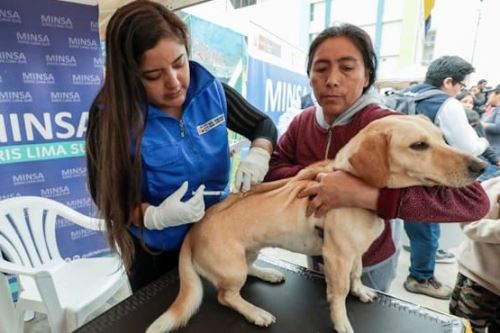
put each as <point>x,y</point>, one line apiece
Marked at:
<point>194,148</point>
<point>431,105</point>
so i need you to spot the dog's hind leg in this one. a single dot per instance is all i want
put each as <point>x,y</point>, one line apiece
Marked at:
<point>266,274</point>
<point>229,276</point>
<point>358,289</point>
<point>229,295</point>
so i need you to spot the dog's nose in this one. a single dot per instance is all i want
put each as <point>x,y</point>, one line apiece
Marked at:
<point>476,167</point>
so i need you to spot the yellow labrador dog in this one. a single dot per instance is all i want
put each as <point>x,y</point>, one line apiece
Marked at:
<point>395,151</point>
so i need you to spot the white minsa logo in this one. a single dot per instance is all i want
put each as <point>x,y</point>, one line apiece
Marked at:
<point>98,62</point>
<point>74,172</point>
<point>32,38</point>
<point>8,15</point>
<point>57,191</point>
<point>86,79</point>
<point>12,57</point>
<point>82,43</point>
<point>56,21</point>
<point>60,60</point>
<point>64,96</point>
<point>14,96</point>
<point>28,178</point>
<point>38,78</point>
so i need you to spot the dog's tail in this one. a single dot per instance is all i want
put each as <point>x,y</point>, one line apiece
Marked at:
<point>189,298</point>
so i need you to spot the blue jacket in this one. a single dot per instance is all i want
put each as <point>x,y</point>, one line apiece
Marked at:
<point>431,105</point>
<point>194,148</point>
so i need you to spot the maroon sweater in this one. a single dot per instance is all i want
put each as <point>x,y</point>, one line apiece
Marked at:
<point>305,142</point>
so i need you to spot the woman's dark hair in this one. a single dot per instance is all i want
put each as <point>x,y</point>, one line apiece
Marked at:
<point>118,113</point>
<point>360,39</point>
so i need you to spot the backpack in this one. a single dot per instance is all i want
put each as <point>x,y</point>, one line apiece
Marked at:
<point>406,101</point>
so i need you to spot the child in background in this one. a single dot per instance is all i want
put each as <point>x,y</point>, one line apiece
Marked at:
<point>476,295</point>
<point>489,155</point>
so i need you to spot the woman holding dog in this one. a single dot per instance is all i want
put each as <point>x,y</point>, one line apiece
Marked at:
<point>157,138</point>
<point>341,67</point>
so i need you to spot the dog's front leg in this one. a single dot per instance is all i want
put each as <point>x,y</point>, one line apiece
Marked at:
<point>338,263</point>
<point>358,289</point>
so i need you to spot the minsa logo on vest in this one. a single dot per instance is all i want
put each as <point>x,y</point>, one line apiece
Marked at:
<point>64,96</point>
<point>94,26</point>
<point>82,43</point>
<point>74,172</point>
<point>86,79</point>
<point>12,57</point>
<point>13,96</point>
<point>32,38</point>
<point>28,178</point>
<point>52,192</point>
<point>60,60</point>
<point>8,15</point>
<point>98,62</point>
<point>56,21</point>
<point>38,78</point>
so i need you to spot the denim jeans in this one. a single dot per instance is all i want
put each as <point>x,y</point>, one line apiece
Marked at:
<point>424,242</point>
<point>380,276</point>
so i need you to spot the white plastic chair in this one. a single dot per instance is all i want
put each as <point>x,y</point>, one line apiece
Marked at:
<point>66,291</point>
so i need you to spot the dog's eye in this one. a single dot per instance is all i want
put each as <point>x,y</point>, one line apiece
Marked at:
<point>419,145</point>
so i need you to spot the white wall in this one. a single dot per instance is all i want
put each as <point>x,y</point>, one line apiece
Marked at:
<point>456,24</point>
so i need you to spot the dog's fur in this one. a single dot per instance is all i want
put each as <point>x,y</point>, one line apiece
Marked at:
<point>395,152</point>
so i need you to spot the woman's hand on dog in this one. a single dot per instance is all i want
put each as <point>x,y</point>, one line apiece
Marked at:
<point>338,189</point>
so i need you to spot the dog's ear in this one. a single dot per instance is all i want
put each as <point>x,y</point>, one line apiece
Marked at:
<point>371,160</point>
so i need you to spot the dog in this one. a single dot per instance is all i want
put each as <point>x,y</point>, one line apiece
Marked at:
<point>394,151</point>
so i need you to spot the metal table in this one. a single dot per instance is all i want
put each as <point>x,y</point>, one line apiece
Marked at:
<point>299,305</point>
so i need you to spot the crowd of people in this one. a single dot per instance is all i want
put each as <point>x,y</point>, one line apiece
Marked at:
<point>157,150</point>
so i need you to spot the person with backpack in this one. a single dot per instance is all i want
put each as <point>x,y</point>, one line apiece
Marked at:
<point>435,99</point>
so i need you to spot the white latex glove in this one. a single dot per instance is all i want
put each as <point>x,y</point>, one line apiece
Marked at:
<point>172,211</point>
<point>252,169</point>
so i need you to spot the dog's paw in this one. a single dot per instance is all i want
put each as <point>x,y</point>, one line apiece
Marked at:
<point>273,276</point>
<point>267,274</point>
<point>365,294</point>
<point>344,327</point>
<point>261,317</point>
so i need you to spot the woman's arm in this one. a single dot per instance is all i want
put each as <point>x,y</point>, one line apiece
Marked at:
<point>283,162</point>
<point>243,118</point>
<point>442,204</point>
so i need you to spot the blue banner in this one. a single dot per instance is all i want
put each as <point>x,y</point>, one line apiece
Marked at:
<point>50,70</point>
<point>274,89</point>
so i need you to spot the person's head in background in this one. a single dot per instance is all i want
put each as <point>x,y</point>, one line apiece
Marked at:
<point>147,49</point>
<point>474,90</point>
<point>341,67</point>
<point>467,100</point>
<point>448,73</point>
<point>494,97</point>
<point>412,83</point>
<point>481,84</point>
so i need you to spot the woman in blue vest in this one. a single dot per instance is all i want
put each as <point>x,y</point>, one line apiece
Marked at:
<point>157,140</point>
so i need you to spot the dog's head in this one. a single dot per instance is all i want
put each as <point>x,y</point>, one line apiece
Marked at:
<point>401,151</point>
